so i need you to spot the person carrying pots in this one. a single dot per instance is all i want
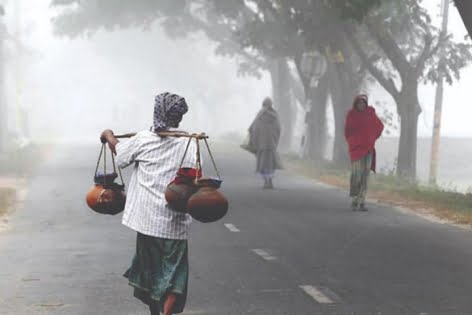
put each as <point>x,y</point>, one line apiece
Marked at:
<point>362,129</point>
<point>159,270</point>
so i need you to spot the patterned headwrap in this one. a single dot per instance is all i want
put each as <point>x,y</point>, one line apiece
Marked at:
<point>168,111</point>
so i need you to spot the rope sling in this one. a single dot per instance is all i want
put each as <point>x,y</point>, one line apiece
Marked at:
<point>198,163</point>
<point>103,152</point>
<point>106,196</point>
<point>202,201</point>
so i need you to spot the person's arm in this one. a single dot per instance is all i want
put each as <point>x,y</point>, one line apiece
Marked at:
<point>108,136</point>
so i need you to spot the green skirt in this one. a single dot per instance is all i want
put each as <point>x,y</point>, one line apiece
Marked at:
<point>159,267</point>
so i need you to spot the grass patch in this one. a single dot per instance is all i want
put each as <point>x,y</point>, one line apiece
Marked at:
<point>443,203</point>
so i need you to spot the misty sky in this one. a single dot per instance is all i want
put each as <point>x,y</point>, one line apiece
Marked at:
<point>78,87</point>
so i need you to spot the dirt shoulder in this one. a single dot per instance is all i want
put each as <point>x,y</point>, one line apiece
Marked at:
<point>10,189</point>
<point>7,197</point>
<point>433,203</point>
<point>16,169</point>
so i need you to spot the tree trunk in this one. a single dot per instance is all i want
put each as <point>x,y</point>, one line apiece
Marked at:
<point>281,82</point>
<point>409,111</point>
<point>343,87</point>
<point>340,149</point>
<point>317,132</point>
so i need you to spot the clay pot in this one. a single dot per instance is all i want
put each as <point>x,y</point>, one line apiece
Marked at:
<point>182,188</point>
<point>177,196</point>
<point>208,205</point>
<point>110,199</point>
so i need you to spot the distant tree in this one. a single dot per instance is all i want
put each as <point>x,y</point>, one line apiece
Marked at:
<point>179,19</point>
<point>260,34</point>
<point>409,53</point>
<point>291,29</point>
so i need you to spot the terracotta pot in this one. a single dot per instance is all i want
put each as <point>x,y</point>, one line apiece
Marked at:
<point>177,196</point>
<point>110,199</point>
<point>208,205</point>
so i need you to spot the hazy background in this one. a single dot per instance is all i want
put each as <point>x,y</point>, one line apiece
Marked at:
<point>70,90</point>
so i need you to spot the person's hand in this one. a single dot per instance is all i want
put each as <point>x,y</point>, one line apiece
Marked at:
<point>105,136</point>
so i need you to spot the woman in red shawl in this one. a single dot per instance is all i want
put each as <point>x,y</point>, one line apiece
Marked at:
<point>363,128</point>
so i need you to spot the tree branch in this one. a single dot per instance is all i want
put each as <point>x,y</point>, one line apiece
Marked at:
<point>391,48</point>
<point>425,54</point>
<point>222,36</point>
<point>388,84</point>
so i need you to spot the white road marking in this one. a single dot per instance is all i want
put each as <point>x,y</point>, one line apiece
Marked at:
<point>264,254</point>
<point>232,227</point>
<point>316,294</point>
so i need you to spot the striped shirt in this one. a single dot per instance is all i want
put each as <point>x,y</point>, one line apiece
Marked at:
<point>156,161</point>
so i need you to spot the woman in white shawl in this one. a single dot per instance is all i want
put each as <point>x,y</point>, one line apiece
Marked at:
<point>264,135</point>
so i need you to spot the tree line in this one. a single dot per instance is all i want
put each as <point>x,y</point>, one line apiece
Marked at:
<point>391,42</point>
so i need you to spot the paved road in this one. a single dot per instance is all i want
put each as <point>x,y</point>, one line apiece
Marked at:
<point>294,250</point>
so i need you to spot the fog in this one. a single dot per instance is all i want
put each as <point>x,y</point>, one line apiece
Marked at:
<point>73,89</point>
<point>287,218</point>
<point>70,89</point>
<point>91,78</point>
<point>111,81</point>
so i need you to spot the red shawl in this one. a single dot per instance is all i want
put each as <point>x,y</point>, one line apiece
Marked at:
<point>362,131</point>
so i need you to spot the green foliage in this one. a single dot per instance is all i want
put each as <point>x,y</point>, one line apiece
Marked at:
<point>402,30</point>
<point>429,195</point>
<point>87,16</point>
<point>179,18</point>
<point>253,29</point>
<point>387,117</point>
<point>353,9</point>
<point>448,63</point>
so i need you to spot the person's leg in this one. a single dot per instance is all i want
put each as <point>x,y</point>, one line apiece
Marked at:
<point>265,176</point>
<point>270,177</point>
<point>355,203</point>
<point>176,269</point>
<point>366,167</point>
<point>169,303</point>
<point>355,184</point>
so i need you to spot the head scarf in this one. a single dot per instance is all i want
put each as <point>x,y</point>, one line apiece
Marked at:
<point>267,102</point>
<point>168,110</point>
<point>361,97</point>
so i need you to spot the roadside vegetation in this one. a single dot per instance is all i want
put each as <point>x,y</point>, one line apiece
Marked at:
<point>7,196</point>
<point>442,202</point>
<point>17,165</point>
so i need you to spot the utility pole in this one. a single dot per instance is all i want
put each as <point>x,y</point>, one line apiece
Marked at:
<point>433,172</point>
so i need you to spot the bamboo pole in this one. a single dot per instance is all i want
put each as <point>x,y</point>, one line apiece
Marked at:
<point>199,136</point>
